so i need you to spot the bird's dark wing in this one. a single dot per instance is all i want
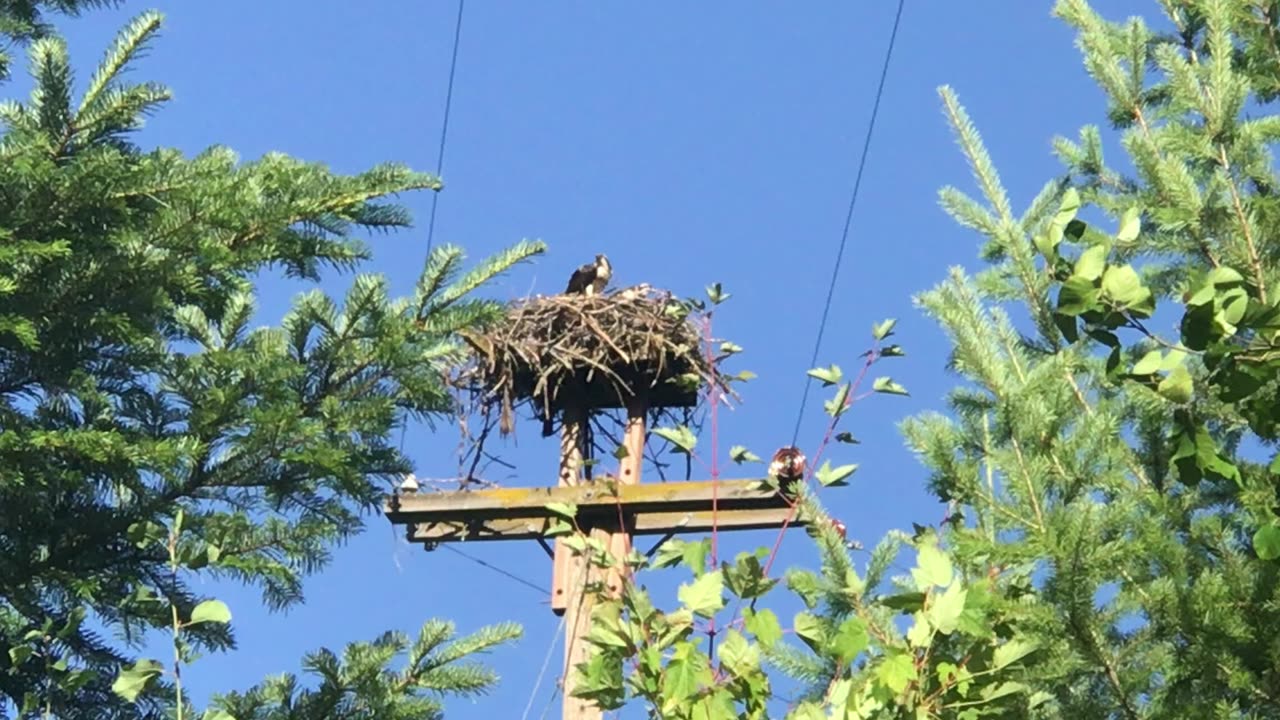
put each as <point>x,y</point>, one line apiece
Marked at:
<point>580,279</point>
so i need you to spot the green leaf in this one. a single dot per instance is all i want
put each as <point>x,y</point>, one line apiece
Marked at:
<point>680,436</point>
<point>1068,326</point>
<point>933,567</point>
<point>810,629</point>
<point>847,438</point>
<point>1122,284</point>
<point>728,348</point>
<point>892,351</point>
<point>1091,263</point>
<point>1234,303</point>
<point>921,631</point>
<point>606,626</point>
<point>905,602</point>
<point>686,674</point>
<point>745,578</point>
<point>807,710</point>
<point>716,294</point>
<point>1177,386</point>
<point>1149,363</point>
<point>1067,208</point>
<point>1173,360</point>
<point>133,680</point>
<point>884,329</point>
<point>828,376</point>
<point>740,454</point>
<point>217,715</point>
<point>896,671</point>
<point>621,453</point>
<point>1224,277</point>
<point>737,655</point>
<point>1274,468</point>
<point>888,386</point>
<point>764,625</point>
<point>214,611</point>
<point>1076,296</point>
<point>1047,247</point>
<point>836,406</point>
<point>146,533</point>
<point>694,554</point>
<point>1196,455</point>
<point>704,596</point>
<point>850,640</point>
<point>1266,542</point>
<point>946,608</point>
<point>1198,328</point>
<point>991,692</point>
<point>601,681</point>
<point>834,477</point>
<point>1012,651</point>
<point>564,510</point>
<point>20,654</point>
<point>1130,225</point>
<point>557,528</point>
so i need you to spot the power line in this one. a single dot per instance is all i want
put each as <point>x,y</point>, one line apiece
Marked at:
<point>444,125</point>
<point>500,571</point>
<point>546,662</point>
<point>848,220</point>
<point>444,136</point>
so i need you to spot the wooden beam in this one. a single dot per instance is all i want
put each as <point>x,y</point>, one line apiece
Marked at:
<point>601,495</point>
<point>643,523</point>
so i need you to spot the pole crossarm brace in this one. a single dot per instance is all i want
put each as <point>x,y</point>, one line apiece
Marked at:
<point>652,509</point>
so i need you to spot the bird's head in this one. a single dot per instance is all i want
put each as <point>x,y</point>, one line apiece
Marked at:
<point>602,261</point>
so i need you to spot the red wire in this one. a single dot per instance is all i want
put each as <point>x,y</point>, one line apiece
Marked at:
<point>714,398</point>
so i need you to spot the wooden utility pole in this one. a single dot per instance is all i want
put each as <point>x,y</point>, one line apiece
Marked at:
<point>612,509</point>
<point>590,370</point>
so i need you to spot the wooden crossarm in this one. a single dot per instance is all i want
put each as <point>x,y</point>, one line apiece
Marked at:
<point>611,512</point>
<point>642,523</point>
<point>597,502</point>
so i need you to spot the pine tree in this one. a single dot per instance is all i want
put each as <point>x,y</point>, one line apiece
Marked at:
<point>1092,452</point>
<point>22,21</point>
<point>137,395</point>
<point>359,686</point>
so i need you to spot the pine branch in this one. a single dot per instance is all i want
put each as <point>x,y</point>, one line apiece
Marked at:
<point>130,44</point>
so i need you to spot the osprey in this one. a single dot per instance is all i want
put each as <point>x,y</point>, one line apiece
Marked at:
<point>591,278</point>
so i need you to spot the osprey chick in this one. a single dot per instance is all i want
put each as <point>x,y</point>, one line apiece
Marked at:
<point>590,279</point>
<point>634,294</point>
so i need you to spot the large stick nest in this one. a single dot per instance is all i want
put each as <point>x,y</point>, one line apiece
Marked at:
<point>592,352</point>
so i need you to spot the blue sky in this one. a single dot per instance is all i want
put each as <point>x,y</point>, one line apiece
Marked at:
<point>693,143</point>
